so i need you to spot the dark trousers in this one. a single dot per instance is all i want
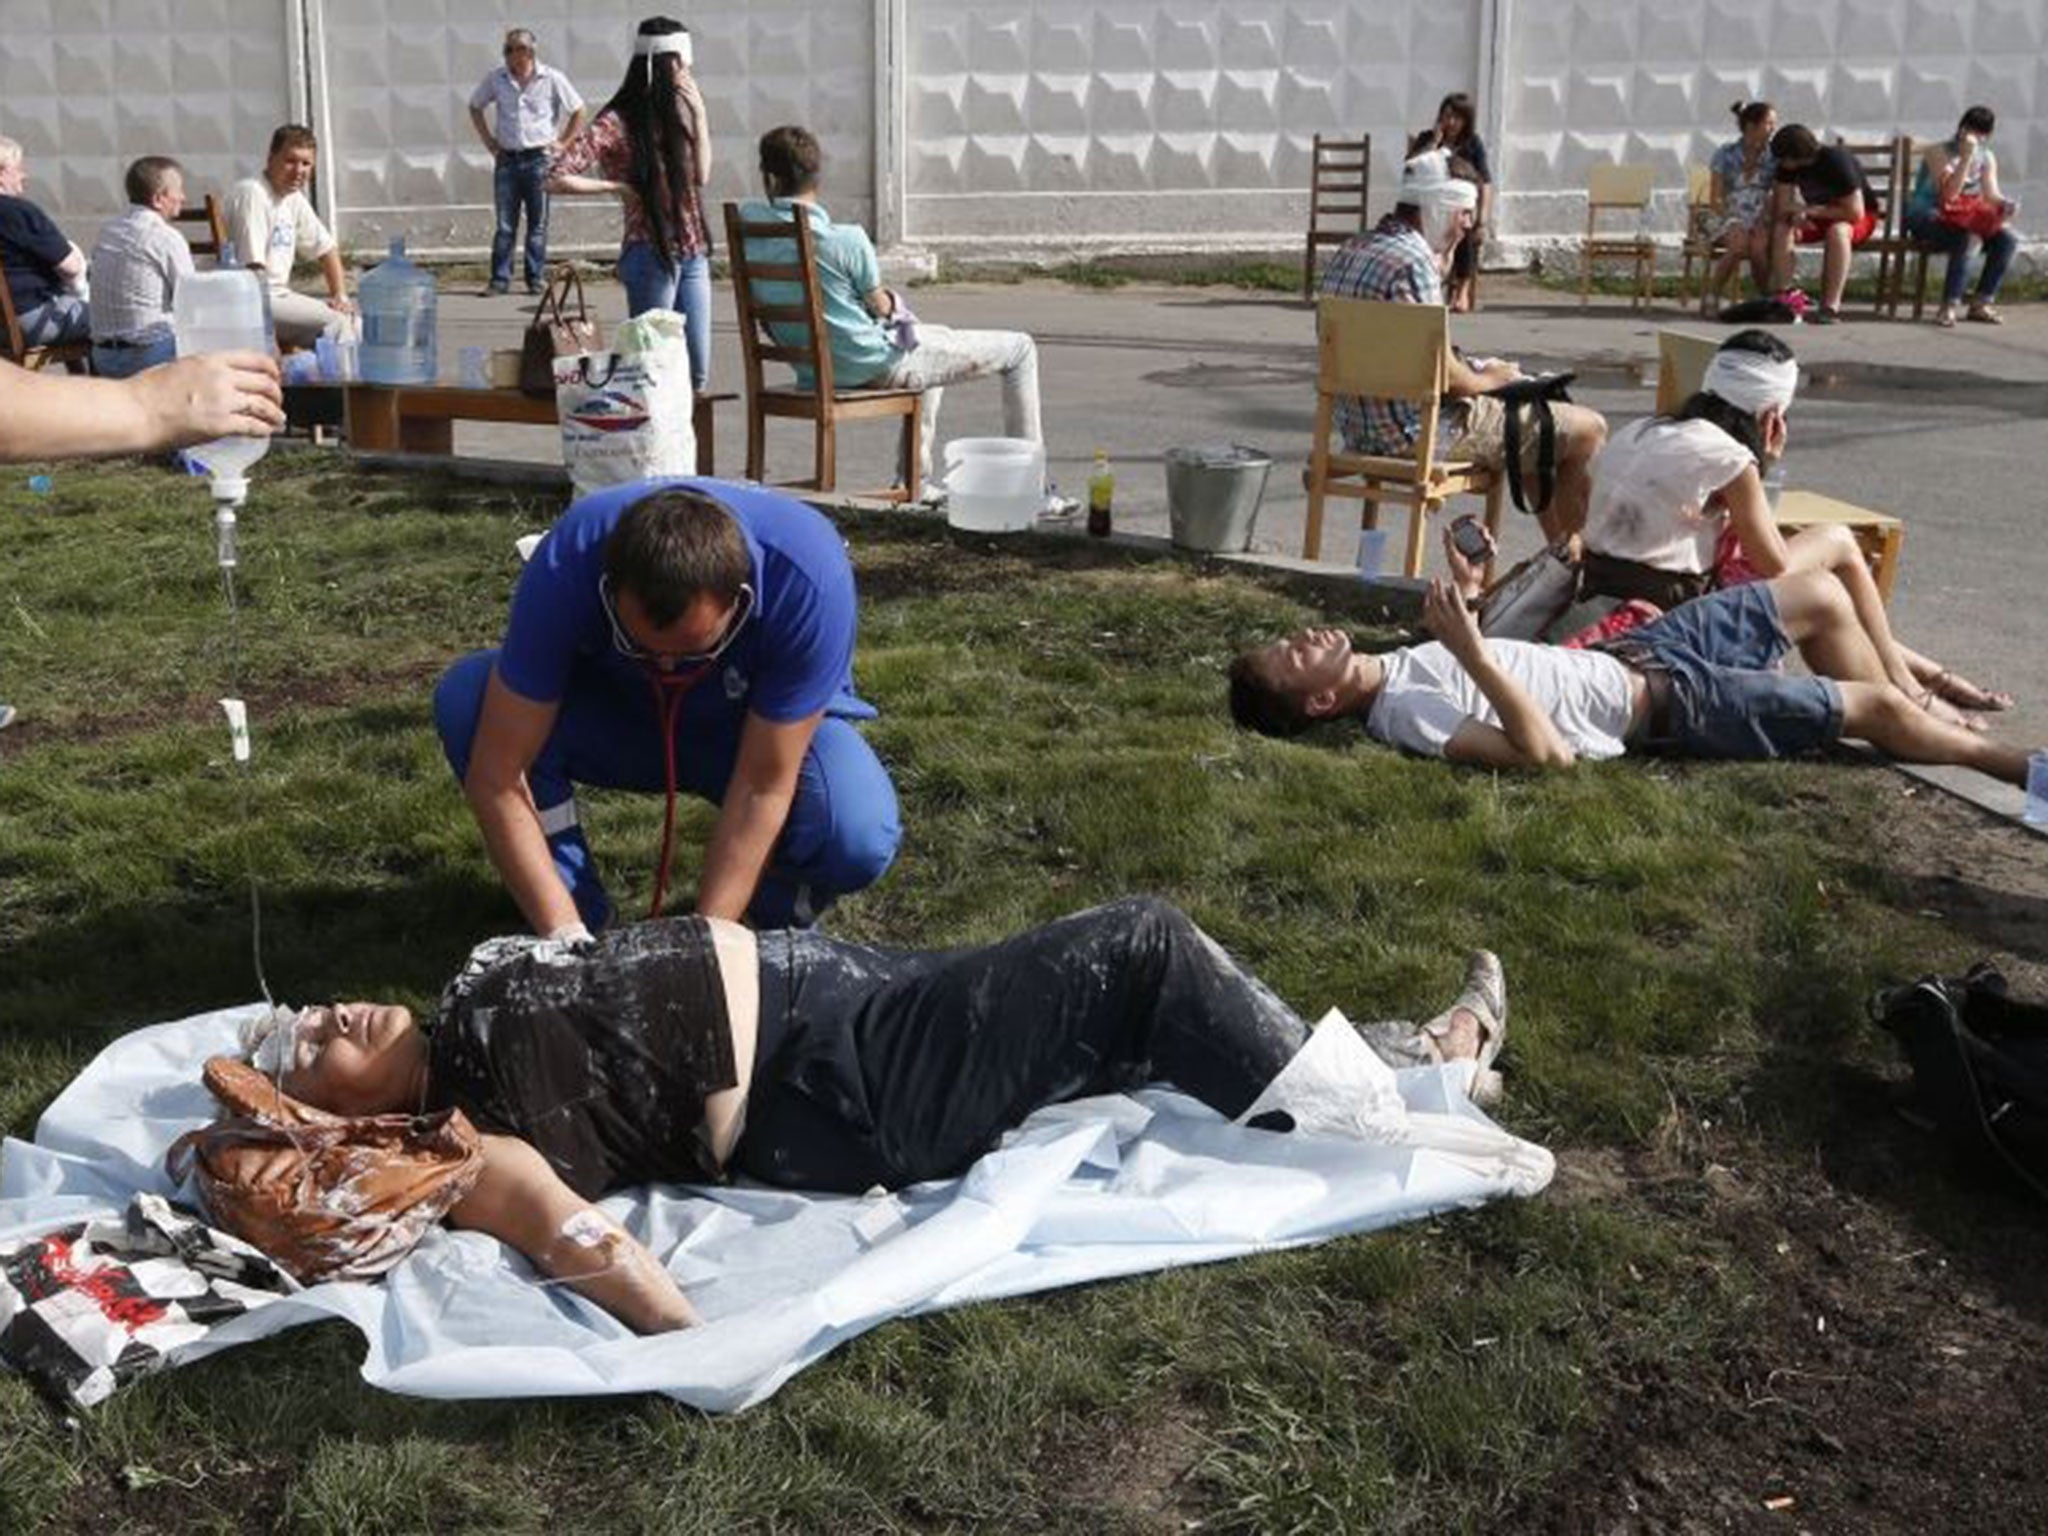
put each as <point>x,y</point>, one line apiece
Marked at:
<point>891,1067</point>
<point>520,183</point>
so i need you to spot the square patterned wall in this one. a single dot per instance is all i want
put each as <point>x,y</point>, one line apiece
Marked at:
<point>88,85</point>
<point>400,73</point>
<point>1066,120</point>
<point>1651,81</point>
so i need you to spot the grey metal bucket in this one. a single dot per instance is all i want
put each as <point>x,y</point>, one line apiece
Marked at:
<point>1212,495</point>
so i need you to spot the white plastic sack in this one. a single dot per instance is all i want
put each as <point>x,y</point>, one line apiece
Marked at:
<point>626,414</point>
<point>1100,1187</point>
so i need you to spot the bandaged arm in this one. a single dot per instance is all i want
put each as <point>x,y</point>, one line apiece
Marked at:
<point>520,1200</point>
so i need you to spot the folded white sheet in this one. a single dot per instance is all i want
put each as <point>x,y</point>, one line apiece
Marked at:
<point>1100,1187</point>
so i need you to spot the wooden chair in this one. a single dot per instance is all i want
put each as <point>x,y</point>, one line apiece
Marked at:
<point>1921,253</point>
<point>1682,359</point>
<point>1389,352</point>
<point>1884,167</point>
<point>1339,176</point>
<point>788,326</point>
<point>1702,242</point>
<point>1623,189</point>
<point>208,240</point>
<point>75,355</point>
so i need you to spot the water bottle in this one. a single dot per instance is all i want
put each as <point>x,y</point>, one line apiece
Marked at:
<point>397,303</point>
<point>2036,812</point>
<point>1101,493</point>
<point>225,310</point>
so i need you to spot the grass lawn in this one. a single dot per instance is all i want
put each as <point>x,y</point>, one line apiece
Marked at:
<point>1687,950</point>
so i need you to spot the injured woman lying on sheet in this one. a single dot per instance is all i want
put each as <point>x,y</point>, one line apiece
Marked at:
<point>688,1050</point>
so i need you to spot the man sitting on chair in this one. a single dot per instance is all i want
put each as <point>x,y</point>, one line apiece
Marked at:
<point>1400,262</point>
<point>1701,681</point>
<point>875,342</point>
<point>45,270</point>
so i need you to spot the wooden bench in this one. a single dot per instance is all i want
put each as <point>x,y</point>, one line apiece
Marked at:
<point>420,418</point>
<point>1878,534</point>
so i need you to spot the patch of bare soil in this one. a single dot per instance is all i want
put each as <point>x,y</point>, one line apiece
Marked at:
<point>1891,1371</point>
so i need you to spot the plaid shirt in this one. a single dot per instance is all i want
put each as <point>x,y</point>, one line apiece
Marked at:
<point>1392,264</point>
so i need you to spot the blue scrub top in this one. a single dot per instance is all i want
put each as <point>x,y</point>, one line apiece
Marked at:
<point>792,658</point>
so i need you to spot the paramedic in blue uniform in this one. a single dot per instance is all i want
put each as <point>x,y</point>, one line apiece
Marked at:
<point>688,635</point>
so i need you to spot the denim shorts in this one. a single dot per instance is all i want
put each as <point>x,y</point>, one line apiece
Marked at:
<point>1728,698</point>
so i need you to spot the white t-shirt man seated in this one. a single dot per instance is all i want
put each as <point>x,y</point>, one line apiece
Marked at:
<point>272,227</point>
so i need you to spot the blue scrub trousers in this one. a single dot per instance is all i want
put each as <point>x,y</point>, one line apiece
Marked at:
<point>843,827</point>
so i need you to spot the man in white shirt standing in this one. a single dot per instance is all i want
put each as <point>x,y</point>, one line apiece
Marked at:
<point>136,266</point>
<point>537,112</point>
<point>272,226</point>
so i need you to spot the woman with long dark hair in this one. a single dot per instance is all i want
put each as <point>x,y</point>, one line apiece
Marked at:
<point>1457,131</point>
<point>650,146</point>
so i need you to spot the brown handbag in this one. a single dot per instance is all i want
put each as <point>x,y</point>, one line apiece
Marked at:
<point>327,1197</point>
<point>557,331</point>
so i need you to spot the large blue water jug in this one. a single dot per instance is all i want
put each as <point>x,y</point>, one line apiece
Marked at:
<point>397,303</point>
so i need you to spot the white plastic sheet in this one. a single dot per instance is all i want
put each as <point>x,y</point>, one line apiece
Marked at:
<point>1096,1188</point>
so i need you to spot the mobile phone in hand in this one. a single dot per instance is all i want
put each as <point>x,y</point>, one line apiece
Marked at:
<point>1469,538</point>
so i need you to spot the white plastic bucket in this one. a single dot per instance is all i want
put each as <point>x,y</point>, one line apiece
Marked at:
<point>994,484</point>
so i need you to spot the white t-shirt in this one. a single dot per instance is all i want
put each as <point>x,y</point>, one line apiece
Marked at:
<point>1426,695</point>
<point>1651,484</point>
<point>273,230</point>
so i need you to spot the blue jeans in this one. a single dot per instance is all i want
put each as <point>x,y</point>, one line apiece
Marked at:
<point>1998,254</point>
<point>1728,698</point>
<point>58,319</point>
<point>654,282</point>
<point>843,825</point>
<point>124,362</point>
<point>520,182</point>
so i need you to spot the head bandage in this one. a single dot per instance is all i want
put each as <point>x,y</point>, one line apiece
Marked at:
<point>1428,186</point>
<point>646,46</point>
<point>1751,382</point>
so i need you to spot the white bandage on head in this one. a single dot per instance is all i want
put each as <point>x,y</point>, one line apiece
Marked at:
<point>1428,187</point>
<point>646,46</point>
<point>1751,382</point>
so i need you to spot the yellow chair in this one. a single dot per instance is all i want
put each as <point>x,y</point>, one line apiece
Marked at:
<point>1703,242</point>
<point>1682,359</point>
<point>1388,352</point>
<point>1623,189</point>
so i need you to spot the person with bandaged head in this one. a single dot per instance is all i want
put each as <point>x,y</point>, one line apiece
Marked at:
<point>1401,262</point>
<point>1679,509</point>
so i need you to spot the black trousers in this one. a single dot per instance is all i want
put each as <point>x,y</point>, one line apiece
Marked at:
<point>880,1067</point>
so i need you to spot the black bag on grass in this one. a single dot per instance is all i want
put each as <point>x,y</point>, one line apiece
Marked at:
<point>1980,1067</point>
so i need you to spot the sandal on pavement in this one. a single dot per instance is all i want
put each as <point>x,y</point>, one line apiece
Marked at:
<point>1984,314</point>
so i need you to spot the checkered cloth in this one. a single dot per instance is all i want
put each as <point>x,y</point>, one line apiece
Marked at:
<point>1392,264</point>
<point>90,1307</point>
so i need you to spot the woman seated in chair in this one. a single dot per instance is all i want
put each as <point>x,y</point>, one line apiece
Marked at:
<point>690,1048</point>
<point>1956,203</point>
<point>1744,171</point>
<point>1678,509</point>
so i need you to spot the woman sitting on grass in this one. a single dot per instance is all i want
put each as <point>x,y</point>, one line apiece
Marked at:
<point>1678,509</point>
<point>690,1048</point>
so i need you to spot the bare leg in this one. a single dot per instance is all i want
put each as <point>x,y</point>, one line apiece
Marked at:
<point>1581,433</point>
<point>1724,268</point>
<point>1818,617</point>
<point>1760,255</point>
<point>1784,261</point>
<point>1881,715</point>
<point>1834,274</point>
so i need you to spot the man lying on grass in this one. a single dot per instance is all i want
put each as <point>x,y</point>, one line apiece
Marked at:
<point>1702,681</point>
<point>691,1049</point>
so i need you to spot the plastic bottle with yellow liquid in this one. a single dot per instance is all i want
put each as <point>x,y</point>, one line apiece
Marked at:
<point>1101,491</point>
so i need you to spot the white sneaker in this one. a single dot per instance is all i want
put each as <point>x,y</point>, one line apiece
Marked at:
<point>1058,508</point>
<point>7,713</point>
